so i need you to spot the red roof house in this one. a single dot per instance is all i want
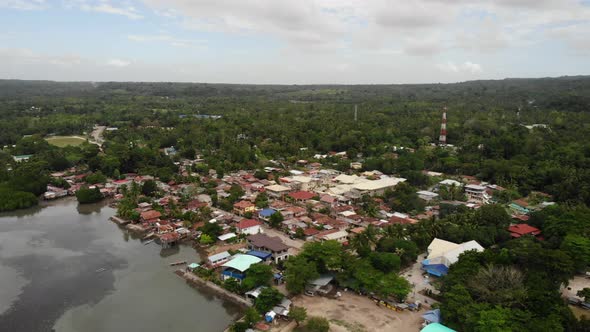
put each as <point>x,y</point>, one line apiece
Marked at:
<point>519,230</point>
<point>249,226</point>
<point>150,215</point>
<point>243,207</point>
<point>302,195</point>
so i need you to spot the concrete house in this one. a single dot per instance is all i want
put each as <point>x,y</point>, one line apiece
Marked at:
<point>273,245</point>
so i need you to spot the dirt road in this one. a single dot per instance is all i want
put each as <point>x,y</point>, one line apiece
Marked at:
<point>419,282</point>
<point>96,135</point>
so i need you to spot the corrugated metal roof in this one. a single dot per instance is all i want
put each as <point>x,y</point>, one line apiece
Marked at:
<point>242,262</point>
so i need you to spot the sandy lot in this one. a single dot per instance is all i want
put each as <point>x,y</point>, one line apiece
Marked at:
<point>356,313</point>
<point>577,283</point>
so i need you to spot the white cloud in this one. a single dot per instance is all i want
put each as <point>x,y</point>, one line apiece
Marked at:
<point>118,63</point>
<point>173,41</point>
<point>576,36</point>
<point>107,8</point>
<point>465,67</point>
<point>23,4</point>
<point>27,56</point>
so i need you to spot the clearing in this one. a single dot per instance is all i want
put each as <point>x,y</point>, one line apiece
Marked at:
<point>355,313</point>
<point>62,141</point>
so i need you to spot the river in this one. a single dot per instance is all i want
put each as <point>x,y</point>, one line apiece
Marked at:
<point>65,267</point>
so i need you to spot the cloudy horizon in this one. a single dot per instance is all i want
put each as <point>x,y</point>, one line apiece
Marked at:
<point>293,42</point>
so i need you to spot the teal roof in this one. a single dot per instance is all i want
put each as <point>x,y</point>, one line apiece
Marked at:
<point>436,327</point>
<point>23,156</point>
<point>242,262</point>
<point>193,265</point>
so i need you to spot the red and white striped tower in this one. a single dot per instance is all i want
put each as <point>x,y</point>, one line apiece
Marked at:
<point>442,139</point>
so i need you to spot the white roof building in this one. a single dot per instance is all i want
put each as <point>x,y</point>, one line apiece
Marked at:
<point>374,185</point>
<point>277,188</point>
<point>449,182</point>
<point>447,253</point>
<point>339,236</point>
<point>227,236</point>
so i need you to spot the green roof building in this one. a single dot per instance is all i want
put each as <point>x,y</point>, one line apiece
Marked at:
<point>436,327</point>
<point>237,267</point>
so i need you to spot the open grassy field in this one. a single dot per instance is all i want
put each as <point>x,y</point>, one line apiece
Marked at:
<point>62,141</point>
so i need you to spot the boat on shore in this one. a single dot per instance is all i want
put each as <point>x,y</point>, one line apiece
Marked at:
<point>178,263</point>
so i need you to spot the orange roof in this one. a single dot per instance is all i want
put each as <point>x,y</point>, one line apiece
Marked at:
<point>247,223</point>
<point>310,231</point>
<point>243,204</point>
<point>357,230</point>
<point>151,214</point>
<point>519,230</point>
<point>302,195</point>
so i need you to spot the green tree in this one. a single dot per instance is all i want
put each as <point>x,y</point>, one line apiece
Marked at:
<point>87,195</point>
<point>13,200</point>
<point>95,178</point>
<point>578,248</point>
<point>394,285</point>
<point>327,255</point>
<point>276,220</point>
<point>231,284</point>
<point>206,239</point>
<point>498,319</point>
<point>267,299</point>
<point>149,187</point>
<point>585,294</point>
<point>317,324</point>
<point>385,262</point>
<point>212,229</point>
<point>251,316</point>
<point>299,271</point>
<point>405,199</point>
<point>261,200</point>
<point>258,275</point>
<point>298,314</point>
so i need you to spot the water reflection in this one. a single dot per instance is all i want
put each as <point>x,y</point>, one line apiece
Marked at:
<point>69,268</point>
<point>167,252</point>
<point>87,209</point>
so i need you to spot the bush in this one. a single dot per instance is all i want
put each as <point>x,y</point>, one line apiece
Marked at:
<point>97,177</point>
<point>13,200</point>
<point>87,195</point>
<point>206,239</point>
<point>318,324</point>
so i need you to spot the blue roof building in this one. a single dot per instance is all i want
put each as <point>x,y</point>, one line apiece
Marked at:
<point>260,254</point>
<point>266,213</point>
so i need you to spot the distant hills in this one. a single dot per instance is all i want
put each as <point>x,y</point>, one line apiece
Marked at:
<point>573,91</point>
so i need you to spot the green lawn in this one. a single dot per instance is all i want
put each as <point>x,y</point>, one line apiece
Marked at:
<point>62,141</point>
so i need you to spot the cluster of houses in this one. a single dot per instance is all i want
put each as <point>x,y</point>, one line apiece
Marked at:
<point>76,180</point>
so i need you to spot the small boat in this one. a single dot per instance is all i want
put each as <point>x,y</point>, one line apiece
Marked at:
<point>148,242</point>
<point>178,263</point>
<point>102,269</point>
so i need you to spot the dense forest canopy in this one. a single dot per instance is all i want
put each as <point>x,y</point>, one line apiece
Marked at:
<point>526,135</point>
<point>486,122</point>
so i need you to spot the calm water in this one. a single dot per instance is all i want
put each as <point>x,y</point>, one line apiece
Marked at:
<point>50,279</point>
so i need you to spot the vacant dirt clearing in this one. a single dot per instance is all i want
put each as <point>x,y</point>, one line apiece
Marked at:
<point>354,313</point>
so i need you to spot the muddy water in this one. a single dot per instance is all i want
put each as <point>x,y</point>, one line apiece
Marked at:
<point>65,267</point>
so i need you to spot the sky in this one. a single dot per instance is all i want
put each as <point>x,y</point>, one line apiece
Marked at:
<point>293,42</point>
